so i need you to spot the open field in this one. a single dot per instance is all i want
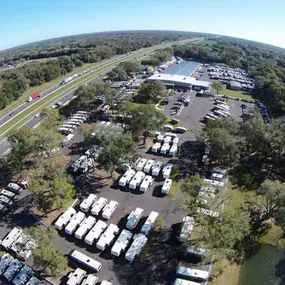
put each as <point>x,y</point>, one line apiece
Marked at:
<point>239,94</point>
<point>37,107</point>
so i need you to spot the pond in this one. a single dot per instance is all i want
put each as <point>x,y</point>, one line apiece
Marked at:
<point>265,267</point>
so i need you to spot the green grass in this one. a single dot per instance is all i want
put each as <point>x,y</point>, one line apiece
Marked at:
<point>205,42</point>
<point>174,190</point>
<point>274,236</point>
<point>37,107</point>
<point>239,94</point>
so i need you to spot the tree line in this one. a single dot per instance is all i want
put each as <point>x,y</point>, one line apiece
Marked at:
<point>264,64</point>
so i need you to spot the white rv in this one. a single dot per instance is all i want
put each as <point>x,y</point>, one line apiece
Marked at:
<point>137,180</point>
<point>98,205</point>
<point>95,232</point>
<point>175,141</point>
<point>86,203</point>
<point>148,166</point>
<point>74,222</point>
<point>85,227</point>
<point>165,148</point>
<point>107,237</point>
<point>167,139</point>
<point>149,223</point>
<point>192,273</point>
<point>126,178</point>
<point>147,182</point>
<point>179,281</point>
<point>75,278</point>
<point>67,139</point>
<point>121,243</point>
<point>64,218</point>
<point>186,228</point>
<point>85,260</point>
<point>136,247</point>
<point>173,150</point>
<point>141,164</point>
<point>109,209</point>
<point>90,280</point>
<point>134,218</point>
<point>156,168</point>
<point>156,147</point>
<point>11,237</point>
<point>166,186</point>
<point>166,171</point>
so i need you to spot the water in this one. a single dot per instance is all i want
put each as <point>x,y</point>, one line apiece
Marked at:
<point>185,68</point>
<point>265,267</point>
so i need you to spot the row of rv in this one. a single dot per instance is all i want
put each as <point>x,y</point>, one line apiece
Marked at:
<point>8,195</point>
<point>221,109</point>
<point>104,234</point>
<point>19,243</point>
<point>166,144</point>
<point>73,122</point>
<point>15,272</point>
<point>138,178</point>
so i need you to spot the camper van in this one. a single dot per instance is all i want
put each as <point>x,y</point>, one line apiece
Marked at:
<point>155,148</point>
<point>86,203</point>
<point>107,237</point>
<point>166,186</point>
<point>149,223</point>
<point>134,218</point>
<point>95,232</point>
<point>173,150</point>
<point>109,209</point>
<point>156,168</point>
<point>67,140</point>
<point>186,228</point>
<point>141,164</point>
<point>85,227</point>
<point>64,218</point>
<point>166,171</point>
<point>165,149</point>
<point>121,243</point>
<point>148,166</point>
<point>74,222</point>
<point>136,247</point>
<point>98,205</point>
<point>126,178</point>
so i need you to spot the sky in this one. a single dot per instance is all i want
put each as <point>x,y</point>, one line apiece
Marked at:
<point>25,21</point>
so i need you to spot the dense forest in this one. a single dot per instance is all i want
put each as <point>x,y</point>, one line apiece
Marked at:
<point>265,65</point>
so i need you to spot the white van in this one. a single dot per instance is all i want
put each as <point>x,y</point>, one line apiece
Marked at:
<point>141,164</point>
<point>137,180</point>
<point>86,203</point>
<point>147,182</point>
<point>85,227</point>
<point>109,209</point>
<point>173,150</point>
<point>166,186</point>
<point>148,166</point>
<point>98,205</point>
<point>156,168</point>
<point>166,171</point>
<point>165,148</point>
<point>156,147</point>
<point>95,232</point>
<point>126,178</point>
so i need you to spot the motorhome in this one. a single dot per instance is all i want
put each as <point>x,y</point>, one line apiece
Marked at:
<point>87,202</point>
<point>126,178</point>
<point>11,237</point>
<point>147,182</point>
<point>165,149</point>
<point>156,168</point>
<point>175,141</point>
<point>136,247</point>
<point>23,276</point>
<point>194,250</point>
<point>5,260</point>
<point>192,273</point>
<point>65,131</point>
<point>13,268</point>
<point>179,281</point>
<point>160,138</point>
<point>109,209</point>
<point>85,227</point>
<point>148,166</point>
<point>107,237</point>
<point>167,139</point>
<point>80,121</point>
<point>68,126</point>
<point>156,147</point>
<point>95,232</point>
<point>98,206</point>
<point>64,218</point>
<point>106,282</point>
<point>74,223</point>
<point>86,260</point>
<point>75,278</point>
<point>208,212</point>
<point>186,228</point>
<point>166,171</point>
<point>168,128</point>
<point>121,243</point>
<point>149,223</point>
<point>7,193</point>
<point>134,218</point>
<point>137,180</point>
<point>6,201</point>
<point>173,150</point>
<point>166,186</point>
<point>90,280</point>
<point>33,281</point>
<point>180,130</point>
<point>141,164</point>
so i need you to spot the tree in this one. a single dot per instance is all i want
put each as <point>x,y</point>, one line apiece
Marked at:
<point>150,91</point>
<point>61,192</point>
<point>118,74</point>
<point>130,66</point>
<point>145,118</point>
<point>49,260</point>
<point>217,86</point>
<point>115,98</point>
<point>50,117</point>
<point>117,150</point>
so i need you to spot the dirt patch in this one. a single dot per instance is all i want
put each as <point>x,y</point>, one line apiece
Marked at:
<point>46,219</point>
<point>103,176</point>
